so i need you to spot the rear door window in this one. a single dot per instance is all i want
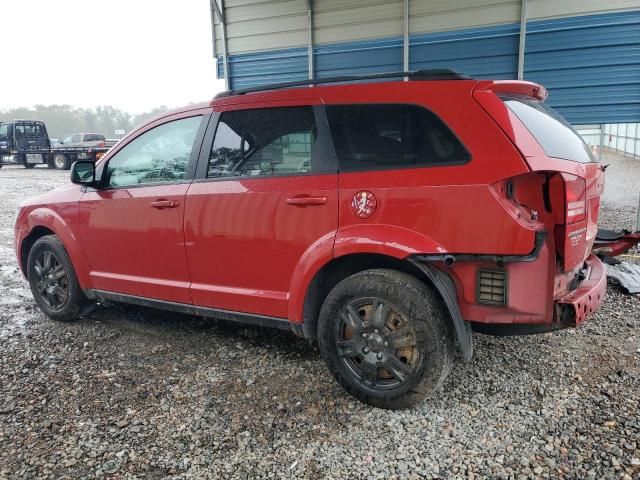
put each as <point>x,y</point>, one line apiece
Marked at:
<point>387,136</point>
<point>555,135</point>
<point>264,142</point>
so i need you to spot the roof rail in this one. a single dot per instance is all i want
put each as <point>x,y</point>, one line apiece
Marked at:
<point>434,74</point>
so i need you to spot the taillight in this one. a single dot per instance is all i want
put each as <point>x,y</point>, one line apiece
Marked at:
<point>575,199</point>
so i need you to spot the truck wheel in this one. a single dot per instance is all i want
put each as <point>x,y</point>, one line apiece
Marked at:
<point>53,280</point>
<point>385,338</point>
<point>61,162</point>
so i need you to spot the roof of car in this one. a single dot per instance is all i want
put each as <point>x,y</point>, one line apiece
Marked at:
<point>424,75</point>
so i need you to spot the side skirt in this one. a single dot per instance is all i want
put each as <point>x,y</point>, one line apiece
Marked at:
<point>238,317</point>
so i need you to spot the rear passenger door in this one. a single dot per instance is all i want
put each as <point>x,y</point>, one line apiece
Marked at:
<point>265,194</point>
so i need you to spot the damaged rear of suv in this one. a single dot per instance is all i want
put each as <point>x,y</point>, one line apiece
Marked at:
<point>386,220</point>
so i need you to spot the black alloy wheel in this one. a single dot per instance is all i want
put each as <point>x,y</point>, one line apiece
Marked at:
<point>386,338</point>
<point>376,343</point>
<point>52,280</point>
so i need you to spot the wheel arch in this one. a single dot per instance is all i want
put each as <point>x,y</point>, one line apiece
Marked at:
<point>339,268</point>
<point>43,221</point>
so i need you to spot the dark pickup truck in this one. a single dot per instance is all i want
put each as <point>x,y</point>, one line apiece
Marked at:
<point>26,142</point>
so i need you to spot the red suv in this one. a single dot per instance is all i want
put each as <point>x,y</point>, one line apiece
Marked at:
<point>385,219</point>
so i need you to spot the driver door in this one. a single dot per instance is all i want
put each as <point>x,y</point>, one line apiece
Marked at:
<point>131,227</point>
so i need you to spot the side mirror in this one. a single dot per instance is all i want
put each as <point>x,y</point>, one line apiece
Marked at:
<point>83,172</point>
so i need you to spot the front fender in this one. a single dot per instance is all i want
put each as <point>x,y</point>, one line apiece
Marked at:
<point>46,217</point>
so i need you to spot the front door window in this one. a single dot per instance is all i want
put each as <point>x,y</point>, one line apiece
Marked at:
<point>157,156</point>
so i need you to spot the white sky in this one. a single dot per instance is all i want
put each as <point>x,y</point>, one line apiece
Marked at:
<point>131,54</point>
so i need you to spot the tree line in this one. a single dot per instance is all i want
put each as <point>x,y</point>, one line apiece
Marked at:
<point>62,120</point>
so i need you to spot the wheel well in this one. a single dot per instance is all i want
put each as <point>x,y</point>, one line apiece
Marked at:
<point>27,243</point>
<point>337,270</point>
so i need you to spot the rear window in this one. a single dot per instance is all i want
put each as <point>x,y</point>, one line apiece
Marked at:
<point>555,135</point>
<point>93,137</point>
<point>384,136</point>
<point>29,130</point>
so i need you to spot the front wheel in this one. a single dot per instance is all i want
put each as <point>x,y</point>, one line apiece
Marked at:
<point>53,280</point>
<point>61,162</point>
<point>385,338</point>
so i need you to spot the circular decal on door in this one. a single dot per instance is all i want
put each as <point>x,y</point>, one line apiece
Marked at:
<point>364,204</point>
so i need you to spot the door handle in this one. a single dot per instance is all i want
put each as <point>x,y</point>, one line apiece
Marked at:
<point>302,201</point>
<point>162,204</point>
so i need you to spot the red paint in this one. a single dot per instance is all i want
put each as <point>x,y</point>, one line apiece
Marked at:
<point>255,244</point>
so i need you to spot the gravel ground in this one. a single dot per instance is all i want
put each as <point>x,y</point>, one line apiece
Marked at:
<point>138,393</point>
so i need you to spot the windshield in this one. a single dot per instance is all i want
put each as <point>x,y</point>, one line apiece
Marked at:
<point>555,135</point>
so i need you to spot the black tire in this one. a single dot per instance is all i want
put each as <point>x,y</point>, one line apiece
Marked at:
<point>53,282</point>
<point>414,349</point>
<point>61,162</point>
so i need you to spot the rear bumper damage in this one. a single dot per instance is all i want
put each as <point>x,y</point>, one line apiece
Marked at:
<point>573,308</point>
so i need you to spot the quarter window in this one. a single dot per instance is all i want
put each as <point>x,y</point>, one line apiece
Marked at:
<point>264,142</point>
<point>158,155</point>
<point>381,136</point>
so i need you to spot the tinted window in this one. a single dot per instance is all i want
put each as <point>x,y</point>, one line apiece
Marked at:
<point>29,130</point>
<point>274,141</point>
<point>158,155</point>
<point>391,136</point>
<point>554,134</point>
<point>4,130</point>
<point>93,137</point>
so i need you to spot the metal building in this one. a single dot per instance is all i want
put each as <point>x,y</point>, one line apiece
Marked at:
<point>586,52</point>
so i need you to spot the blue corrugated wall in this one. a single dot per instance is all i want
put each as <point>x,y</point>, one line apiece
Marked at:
<point>589,64</point>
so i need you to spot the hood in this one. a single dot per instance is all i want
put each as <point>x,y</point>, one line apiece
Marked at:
<point>63,194</point>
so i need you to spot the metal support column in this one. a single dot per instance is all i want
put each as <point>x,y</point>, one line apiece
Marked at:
<point>405,37</point>
<point>523,39</point>
<point>219,9</point>
<point>310,38</point>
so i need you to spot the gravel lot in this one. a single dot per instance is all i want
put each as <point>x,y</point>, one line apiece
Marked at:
<point>138,393</point>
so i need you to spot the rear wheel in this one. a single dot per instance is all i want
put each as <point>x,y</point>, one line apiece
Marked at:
<point>60,161</point>
<point>386,338</point>
<point>53,280</point>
